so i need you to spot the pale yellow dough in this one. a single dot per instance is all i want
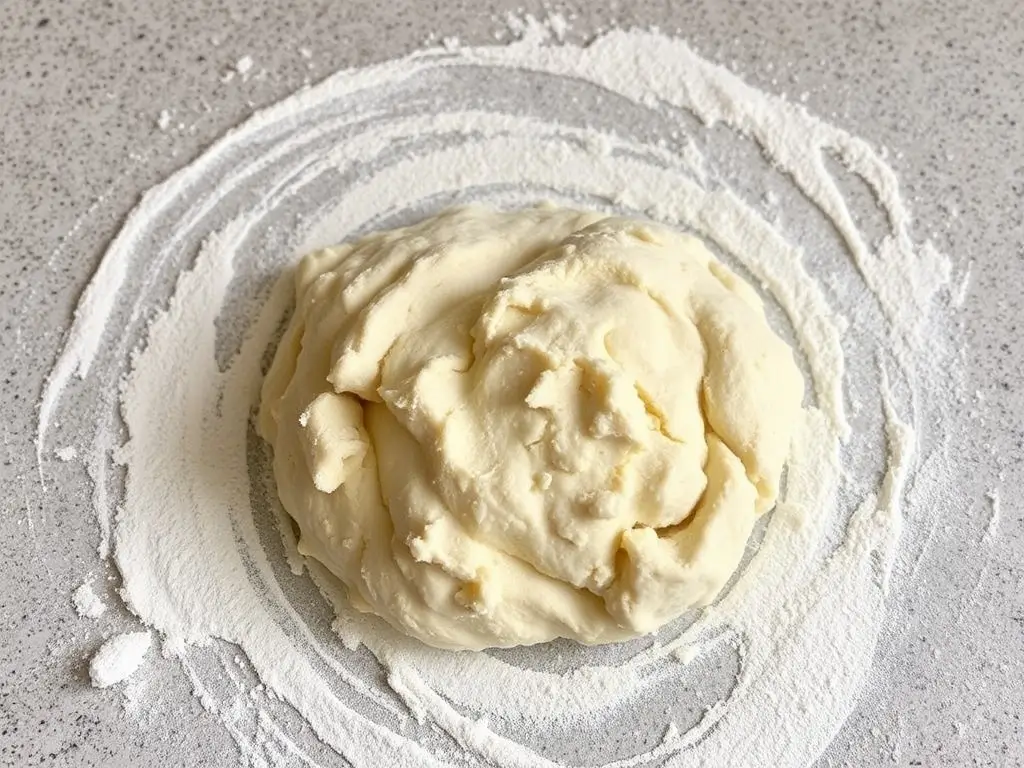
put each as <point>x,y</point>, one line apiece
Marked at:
<point>501,428</point>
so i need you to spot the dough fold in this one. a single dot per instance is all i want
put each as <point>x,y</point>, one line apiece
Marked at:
<point>499,428</point>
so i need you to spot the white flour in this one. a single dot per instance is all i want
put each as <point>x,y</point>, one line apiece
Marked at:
<point>118,658</point>
<point>67,453</point>
<point>87,603</point>
<point>995,509</point>
<point>195,538</point>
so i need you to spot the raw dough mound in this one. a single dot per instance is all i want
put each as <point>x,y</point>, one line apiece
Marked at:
<point>502,428</point>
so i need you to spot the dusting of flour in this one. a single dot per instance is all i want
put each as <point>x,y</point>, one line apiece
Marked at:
<point>636,123</point>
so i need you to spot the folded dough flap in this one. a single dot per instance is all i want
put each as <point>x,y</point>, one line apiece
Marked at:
<point>333,439</point>
<point>662,574</point>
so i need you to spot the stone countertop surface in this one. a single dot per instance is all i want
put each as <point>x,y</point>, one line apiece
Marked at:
<point>83,87</point>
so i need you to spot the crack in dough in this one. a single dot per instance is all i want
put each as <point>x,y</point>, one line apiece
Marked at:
<point>535,424</point>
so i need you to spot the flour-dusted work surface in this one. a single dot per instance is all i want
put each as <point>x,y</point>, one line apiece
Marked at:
<point>901,300</point>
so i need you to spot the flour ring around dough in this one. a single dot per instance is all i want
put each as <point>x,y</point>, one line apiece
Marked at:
<point>658,133</point>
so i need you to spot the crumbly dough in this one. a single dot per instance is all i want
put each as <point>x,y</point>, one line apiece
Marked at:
<point>499,428</point>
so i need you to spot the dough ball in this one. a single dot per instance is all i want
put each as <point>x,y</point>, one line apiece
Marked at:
<point>499,428</point>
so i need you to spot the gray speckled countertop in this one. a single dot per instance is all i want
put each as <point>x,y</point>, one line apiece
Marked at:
<point>940,84</point>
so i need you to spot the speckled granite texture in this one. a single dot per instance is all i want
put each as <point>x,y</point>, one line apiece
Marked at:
<point>82,87</point>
